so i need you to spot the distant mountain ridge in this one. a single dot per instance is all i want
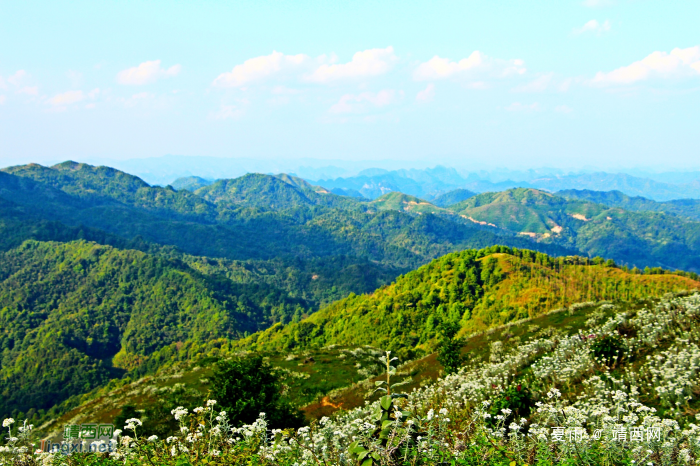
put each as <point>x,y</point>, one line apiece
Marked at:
<point>258,217</point>
<point>252,217</point>
<point>689,208</point>
<point>432,183</point>
<point>593,228</point>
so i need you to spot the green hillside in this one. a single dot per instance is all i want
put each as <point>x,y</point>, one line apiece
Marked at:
<point>120,279</point>
<point>271,192</point>
<point>190,183</point>
<point>256,217</point>
<point>404,203</point>
<point>75,315</point>
<point>635,238</point>
<point>596,368</point>
<point>478,289</point>
<point>453,197</point>
<point>688,208</point>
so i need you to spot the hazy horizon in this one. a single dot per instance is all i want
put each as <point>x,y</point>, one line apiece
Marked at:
<point>167,169</point>
<point>594,83</point>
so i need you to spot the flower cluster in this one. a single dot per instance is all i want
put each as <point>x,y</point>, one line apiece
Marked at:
<point>576,409</point>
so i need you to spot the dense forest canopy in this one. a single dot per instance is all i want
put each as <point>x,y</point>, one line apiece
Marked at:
<point>477,289</point>
<point>74,315</point>
<point>103,276</point>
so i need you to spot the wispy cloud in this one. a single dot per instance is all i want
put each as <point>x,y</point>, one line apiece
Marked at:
<point>365,64</point>
<point>593,26</point>
<point>230,111</point>
<point>61,101</point>
<point>29,90</point>
<point>146,73</point>
<point>563,109</point>
<point>260,68</point>
<point>676,64</point>
<point>138,99</point>
<point>19,81</point>
<point>66,98</point>
<point>539,84</point>
<point>18,78</point>
<point>359,103</point>
<point>427,94</point>
<point>476,64</point>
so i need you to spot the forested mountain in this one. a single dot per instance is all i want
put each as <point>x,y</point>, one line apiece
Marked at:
<point>452,197</point>
<point>74,315</point>
<point>261,217</point>
<point>636,238</point>
<point>272,193</point>
<point>689,208</point>
<point>190,183</point>
<point>477,289</point>
<point>405,203</point>
<point>124,277</point>
<point>253,217</point>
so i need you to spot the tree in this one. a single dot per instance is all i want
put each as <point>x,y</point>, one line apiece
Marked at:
<point>127,412</point>
<point>450,348</point>
<point>246,387</point>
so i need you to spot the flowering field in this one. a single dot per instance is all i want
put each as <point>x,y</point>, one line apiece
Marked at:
<point>622,390</point>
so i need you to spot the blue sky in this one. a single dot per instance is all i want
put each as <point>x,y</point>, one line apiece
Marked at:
<point>569,84</point>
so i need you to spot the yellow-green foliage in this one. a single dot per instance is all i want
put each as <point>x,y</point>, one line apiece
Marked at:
<point>480,289</point>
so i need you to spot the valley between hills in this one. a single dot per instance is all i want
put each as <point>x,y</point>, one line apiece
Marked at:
<point>120,299</point>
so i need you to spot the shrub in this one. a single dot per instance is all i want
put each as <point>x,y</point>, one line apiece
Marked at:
<point>246,387</point>
<point>609,349</point>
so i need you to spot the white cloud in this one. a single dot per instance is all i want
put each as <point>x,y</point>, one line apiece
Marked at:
<point>540,84</point>
<point>565,84</point>
<point>19,81</point>
<point>259,68</point>
<point>676,64</point>
<point>518,107</point>
<point>365,64</point>
<point>93,93</point>
<point>593,26</point>
<point>476,63</point>
<point>18,78</point>
<point>358,103</point>
<point>29,90</point>
<point>563,109</point>
<point>66,98</point>
<point>229,112</point>
<point>2,99</point>
<point>137,99</point>
<point>427,94</point>
<point>146,73</point>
